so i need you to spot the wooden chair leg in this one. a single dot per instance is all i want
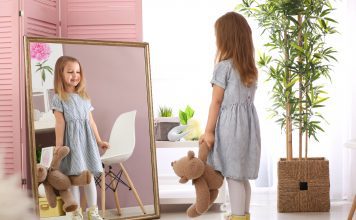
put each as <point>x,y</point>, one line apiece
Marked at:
<point>103,193</point>
<point>117,201</point>
<point>132,188</point>
<point>352,210</point>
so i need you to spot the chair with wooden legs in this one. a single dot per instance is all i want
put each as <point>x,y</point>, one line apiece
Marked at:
<point>122,144</point>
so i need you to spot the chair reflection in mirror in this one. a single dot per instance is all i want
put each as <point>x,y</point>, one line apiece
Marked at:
<point>122,144</point>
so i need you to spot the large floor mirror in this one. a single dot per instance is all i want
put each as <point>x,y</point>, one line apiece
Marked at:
<point>118,83</point>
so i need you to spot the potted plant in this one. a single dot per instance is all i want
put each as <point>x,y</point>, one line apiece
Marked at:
<point>193,125</point>
<point>296,31</point>
<point>164,123</point>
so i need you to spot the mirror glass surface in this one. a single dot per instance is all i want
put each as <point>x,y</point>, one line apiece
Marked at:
<point>117,78</point>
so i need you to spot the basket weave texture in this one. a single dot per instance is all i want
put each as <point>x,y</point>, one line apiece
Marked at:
<point>303,185</point>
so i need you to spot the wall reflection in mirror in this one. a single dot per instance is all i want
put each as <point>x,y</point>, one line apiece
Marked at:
<point>118,83</point>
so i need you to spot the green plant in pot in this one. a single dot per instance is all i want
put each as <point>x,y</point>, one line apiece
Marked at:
<point>164,123</point>
<point>186,118</point>
<point>299,65</point>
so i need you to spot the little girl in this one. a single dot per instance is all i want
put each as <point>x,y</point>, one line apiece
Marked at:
<point>233,129</point>
<point>76,128</point>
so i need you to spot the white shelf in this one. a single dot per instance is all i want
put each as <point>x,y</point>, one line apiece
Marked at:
<point>176,144</point>
<point>44,126</point>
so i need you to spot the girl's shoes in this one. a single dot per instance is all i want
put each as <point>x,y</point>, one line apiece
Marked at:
<point>77,214</point>
<point>93,213</point>
<point>238,217</point>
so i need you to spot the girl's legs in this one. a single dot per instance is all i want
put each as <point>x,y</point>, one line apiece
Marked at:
<point>75,193</point>
<point>90,193</point>
<point>77,214</point>
<point>237,194</point>
<point>247,196</point>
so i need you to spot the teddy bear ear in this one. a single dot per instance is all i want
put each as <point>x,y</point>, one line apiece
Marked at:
<point>183,179</point>
<point>191,154</point>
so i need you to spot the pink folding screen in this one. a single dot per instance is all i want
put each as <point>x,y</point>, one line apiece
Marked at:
<point>10,138</point>
<point>41,18</point>
<point>119,20</point>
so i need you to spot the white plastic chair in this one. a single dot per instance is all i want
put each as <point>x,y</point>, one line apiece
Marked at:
<point>122,144</point>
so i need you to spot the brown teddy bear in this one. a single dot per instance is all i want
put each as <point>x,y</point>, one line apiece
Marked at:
<point>53,179</point>
<point>206,180</point>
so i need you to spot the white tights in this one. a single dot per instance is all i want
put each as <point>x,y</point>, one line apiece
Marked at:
<point>90,193</point>
<point>240,196</point>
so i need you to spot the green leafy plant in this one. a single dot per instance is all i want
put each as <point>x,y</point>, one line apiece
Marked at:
<point>38,155</point>
<point>165,111</point>
<point>185,115</point>
<point>296,32</point>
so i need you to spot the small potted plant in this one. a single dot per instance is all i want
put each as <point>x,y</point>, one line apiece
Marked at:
<point>164,123</point>
<point>193,125</point>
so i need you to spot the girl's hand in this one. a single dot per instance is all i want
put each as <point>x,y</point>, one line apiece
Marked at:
<point>103,145</point>
<point>57,147</point>
<point>208,138</point>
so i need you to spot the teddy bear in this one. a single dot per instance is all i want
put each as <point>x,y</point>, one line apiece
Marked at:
<point>205,179</point>
<point>53,180</point>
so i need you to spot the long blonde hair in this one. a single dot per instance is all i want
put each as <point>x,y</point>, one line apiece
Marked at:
<point>59,82</point>
<point>234,41</point>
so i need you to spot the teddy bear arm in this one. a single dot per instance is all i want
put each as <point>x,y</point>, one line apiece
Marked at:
<point>58,156</point>
<point>202,195</point>
<point>80,180</point>
<point>50,195</point>
<point>203,152</point>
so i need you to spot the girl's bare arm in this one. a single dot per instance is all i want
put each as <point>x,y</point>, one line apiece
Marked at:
<point>101,143</point>
<point>59,128</point>
<point>216,100</point>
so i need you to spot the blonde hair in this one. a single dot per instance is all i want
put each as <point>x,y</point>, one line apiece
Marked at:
<point>59,82</point>
<point>234,41</point>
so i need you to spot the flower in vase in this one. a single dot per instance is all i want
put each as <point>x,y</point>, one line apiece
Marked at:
<point>41,52</point>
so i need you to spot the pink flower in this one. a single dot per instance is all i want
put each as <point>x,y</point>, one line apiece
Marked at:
<point>40,51</point>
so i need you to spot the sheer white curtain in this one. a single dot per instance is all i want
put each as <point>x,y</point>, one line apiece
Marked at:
<point>343,105</point>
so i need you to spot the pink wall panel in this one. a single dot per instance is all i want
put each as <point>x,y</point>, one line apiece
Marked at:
<point>102,20</point>
<point>10,138</point>
<point>41,18</point>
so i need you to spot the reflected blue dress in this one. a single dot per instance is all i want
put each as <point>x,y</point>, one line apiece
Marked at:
<point>78,136</point>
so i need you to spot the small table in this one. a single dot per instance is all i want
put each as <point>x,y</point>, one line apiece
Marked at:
<point>351,144</point>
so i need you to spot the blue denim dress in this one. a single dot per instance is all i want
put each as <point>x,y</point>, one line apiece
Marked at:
<point>237,147</point>
<point>78,136</point>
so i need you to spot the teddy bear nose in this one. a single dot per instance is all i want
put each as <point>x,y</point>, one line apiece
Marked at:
<point>172,164</point>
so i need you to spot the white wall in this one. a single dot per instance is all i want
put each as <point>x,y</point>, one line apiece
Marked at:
<point>182,46</point>
<point>182,42</point>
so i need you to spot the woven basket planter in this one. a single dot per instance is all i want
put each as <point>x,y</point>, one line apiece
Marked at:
<point>303,185</point>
